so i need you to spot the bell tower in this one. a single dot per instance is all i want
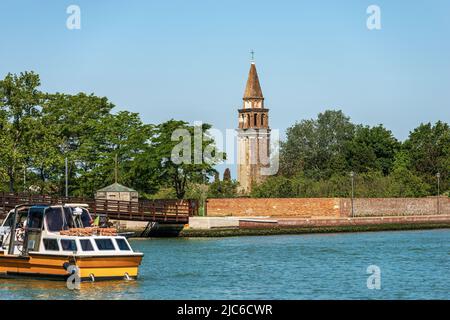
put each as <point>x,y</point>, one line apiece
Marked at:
<point>253,134</point>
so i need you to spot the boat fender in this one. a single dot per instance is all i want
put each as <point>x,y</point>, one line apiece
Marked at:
<point>67,265</point>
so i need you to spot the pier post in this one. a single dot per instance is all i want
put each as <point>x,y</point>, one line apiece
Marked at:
<point>438,175</point>
<point>352,175</point>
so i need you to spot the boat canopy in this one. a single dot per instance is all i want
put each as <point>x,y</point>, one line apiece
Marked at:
<point>57,218</point>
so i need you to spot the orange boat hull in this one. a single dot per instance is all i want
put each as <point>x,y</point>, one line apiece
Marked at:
<point>54,266</point>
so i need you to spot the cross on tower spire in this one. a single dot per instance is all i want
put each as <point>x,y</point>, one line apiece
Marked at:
<point>253,56</point>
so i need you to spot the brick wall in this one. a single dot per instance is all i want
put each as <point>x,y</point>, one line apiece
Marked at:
<point>325,207</point>
<point>395,206</point>
<point>275,207</point>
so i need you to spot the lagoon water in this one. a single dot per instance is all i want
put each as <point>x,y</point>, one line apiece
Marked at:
<point>413,264</point>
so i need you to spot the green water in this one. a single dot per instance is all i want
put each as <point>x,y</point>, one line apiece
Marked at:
<point>413,265</point>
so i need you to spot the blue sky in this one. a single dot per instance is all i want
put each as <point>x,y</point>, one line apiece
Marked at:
<point>189,59</point>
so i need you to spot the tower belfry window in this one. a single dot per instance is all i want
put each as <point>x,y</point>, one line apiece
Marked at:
<point>255,119</point>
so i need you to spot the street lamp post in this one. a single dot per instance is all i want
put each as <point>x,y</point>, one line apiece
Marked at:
<point>352,175</point>
<point>438,176</point>
<point>24,179</point>
<point>67,178</point>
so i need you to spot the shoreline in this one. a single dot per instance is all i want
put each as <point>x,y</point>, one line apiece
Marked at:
<point>292,230</point>
<point>235,232</point>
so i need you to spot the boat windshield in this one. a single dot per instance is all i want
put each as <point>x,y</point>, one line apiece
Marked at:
<point>59,218</point>
<point>69,221</point>
<point>77,220</point>
<point>35,218</point>
<point>55,219</point>
<point>86,219</point>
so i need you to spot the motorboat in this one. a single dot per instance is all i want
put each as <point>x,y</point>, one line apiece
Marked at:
<point>56,241</point>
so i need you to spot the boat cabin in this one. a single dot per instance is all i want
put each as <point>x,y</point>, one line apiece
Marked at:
<point>33,221</point>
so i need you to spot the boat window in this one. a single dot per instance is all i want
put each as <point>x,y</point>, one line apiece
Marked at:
<point>55,221</point>
<point>123,245</point>
<point>86,245</point>
<point>68,245</point>
<point>8,221</point>
<point>51,244</point>
<point>104,244</point>
<point>68,219</point>
<point>35,217</point>
<point>86,218</point>
<point>22,217</point>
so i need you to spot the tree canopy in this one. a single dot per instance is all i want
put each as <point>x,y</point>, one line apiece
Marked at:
<point>40,130</point>
<point>319,154</point>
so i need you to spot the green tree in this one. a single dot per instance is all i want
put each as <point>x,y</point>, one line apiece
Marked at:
<point>120,137</point>
<point>3,139</point>
<point>404,183</point>
<point>371,149</point>
<point>315,147</point>
<point>44,159</point>
<point>191,163</point>
<point>20,104</point>
<point>227,175</point>
<point>428,148</point>
<point>79,122</point>
<point>223,189</point>
<point>275,187</point>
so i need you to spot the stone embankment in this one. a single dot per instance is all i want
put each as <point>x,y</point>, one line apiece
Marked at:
<point>245,216</point>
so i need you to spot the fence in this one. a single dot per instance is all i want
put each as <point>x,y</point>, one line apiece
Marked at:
<point>163,211</point>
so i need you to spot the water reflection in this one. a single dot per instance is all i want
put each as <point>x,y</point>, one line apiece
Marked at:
<point>54,290</point>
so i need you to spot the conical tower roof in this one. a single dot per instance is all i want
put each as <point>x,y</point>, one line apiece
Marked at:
<point>253,88</point>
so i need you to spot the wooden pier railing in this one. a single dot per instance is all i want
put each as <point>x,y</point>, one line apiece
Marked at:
<point>162,211</point>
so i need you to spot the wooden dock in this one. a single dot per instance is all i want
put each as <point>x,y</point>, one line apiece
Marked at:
<point>161,211</point>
